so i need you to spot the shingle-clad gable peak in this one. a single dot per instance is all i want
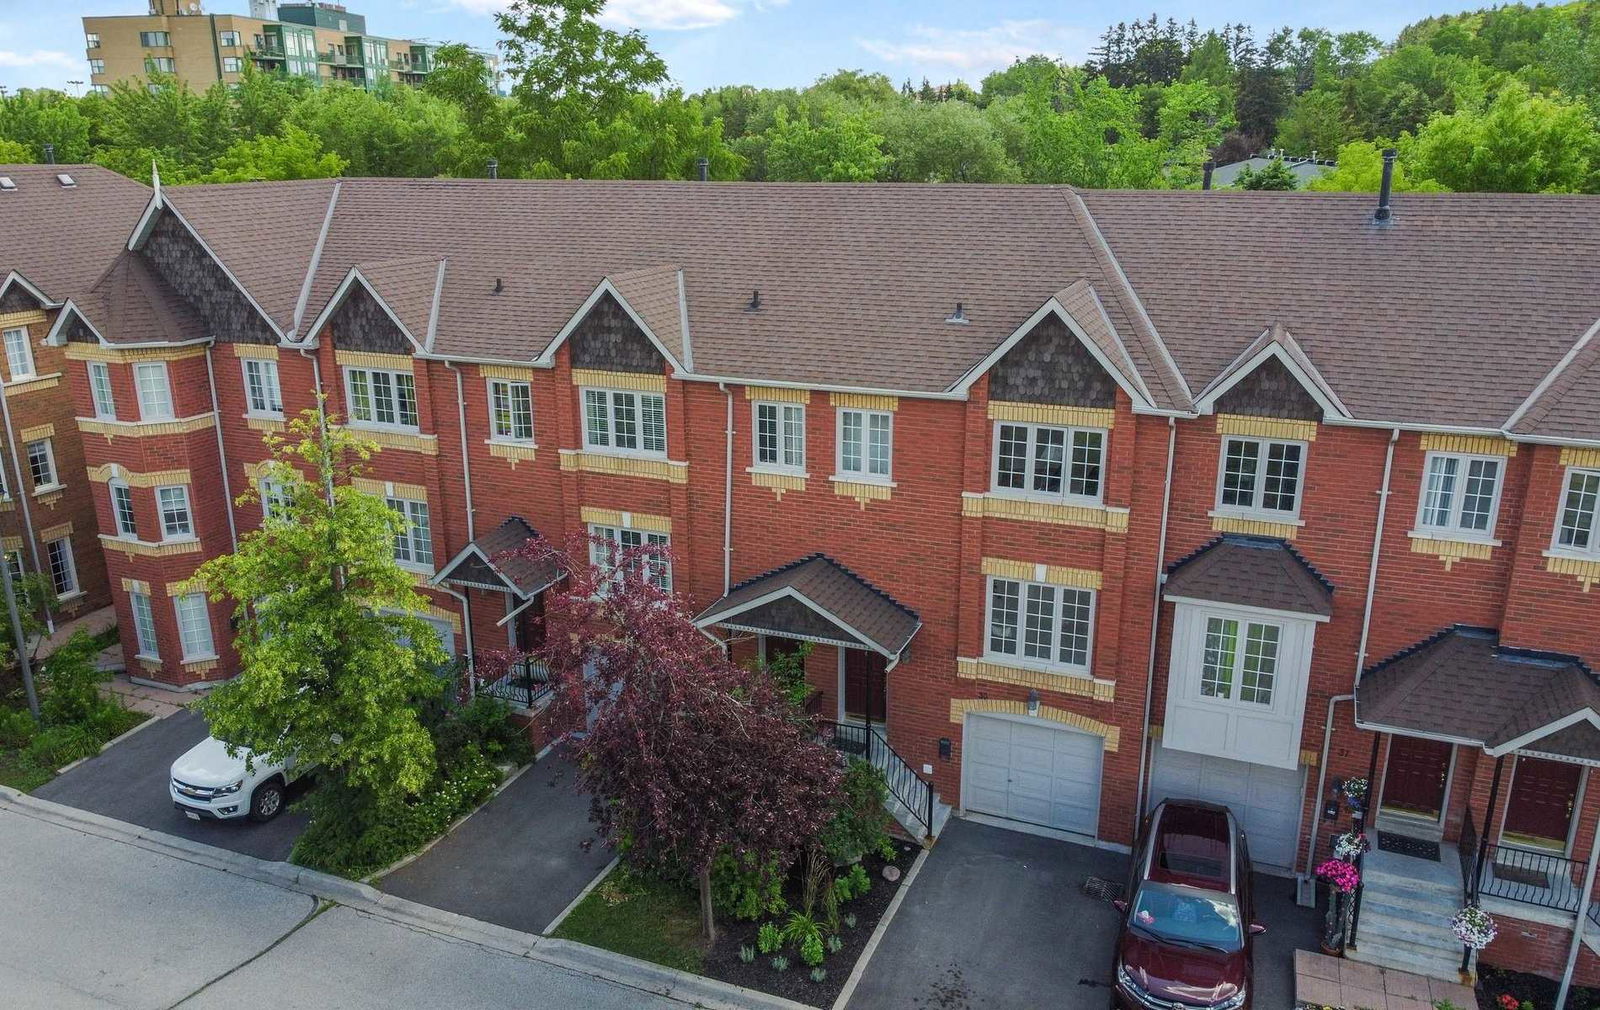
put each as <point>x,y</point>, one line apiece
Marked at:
<point>1272,377</point>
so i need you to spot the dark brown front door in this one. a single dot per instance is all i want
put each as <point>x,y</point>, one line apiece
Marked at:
<point>1414,779</point>
<point>1543,794</point>
<point>864,685</point>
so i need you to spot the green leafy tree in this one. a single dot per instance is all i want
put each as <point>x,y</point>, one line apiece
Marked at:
<point>15,152</point>
<point>32,118</point>
<point>1190,122</point>
<point>1088,136</point>
<point>652,138</point>
<point>842,148</point>
<point>1016,79</point>
<point>295,154</point>
<point>332,657</point>
<point>942,142</point>
<point>1276,175</point>
<point>1404,88</point>
<point>1519,143</point>
<point>1360,170</point>
<point>164,120</point>
<point>1315,123</point>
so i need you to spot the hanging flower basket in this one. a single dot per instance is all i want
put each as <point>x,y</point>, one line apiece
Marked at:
<point>1340,875</point>
<point>1473,927</point>
<point>1355,794</point>
<point>1351,845</point>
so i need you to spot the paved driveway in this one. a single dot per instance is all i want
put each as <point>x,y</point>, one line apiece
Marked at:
<point>129,782</point>
<point>518,861</point>
<point>998,919</point>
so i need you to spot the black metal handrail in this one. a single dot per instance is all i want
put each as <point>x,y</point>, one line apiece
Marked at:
<point>1467,851</point>
<point>914,792</point>
<point>524,685</point>
<point>1533,878</point>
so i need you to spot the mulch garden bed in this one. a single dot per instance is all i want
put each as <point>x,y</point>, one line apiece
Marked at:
<point>722,960</point>
<point>1535,989</point>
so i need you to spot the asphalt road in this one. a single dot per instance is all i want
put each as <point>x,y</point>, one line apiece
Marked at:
<point>129,782</point>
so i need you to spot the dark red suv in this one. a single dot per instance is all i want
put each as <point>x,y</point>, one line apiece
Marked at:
<point>1187,928</point>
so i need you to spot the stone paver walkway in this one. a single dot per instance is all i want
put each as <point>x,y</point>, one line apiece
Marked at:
<point>93,623</point>
<point>1322,981</point>
<point>155,701</point>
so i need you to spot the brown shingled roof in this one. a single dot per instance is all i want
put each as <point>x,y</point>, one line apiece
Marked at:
<point>132,304</point>
<point>1251,572</point>
<point>489,562</point>
<point>62,239</point>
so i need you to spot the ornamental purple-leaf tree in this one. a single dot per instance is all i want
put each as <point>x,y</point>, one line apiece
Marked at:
<point>686,755</point>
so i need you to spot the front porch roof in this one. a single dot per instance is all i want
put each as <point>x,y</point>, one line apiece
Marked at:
<point>1249,571</point>
<point>1462,686</point>
<point>486,563</point>
<point>818,600</point>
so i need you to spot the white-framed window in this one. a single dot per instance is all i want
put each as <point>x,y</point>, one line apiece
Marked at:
<point>1049,460</point>
<point>1460,493</point>
<point>91,40</point>
<point>194,626</point>
<point>19,354</point>
<point>780,440</point>
<point>155,390</point>
<point>1241,660</point>
<point>1575,522</point>
<point>615,539</point>
<point>228,38</point>
<point>382,399</point>
<point>232,64</point>
<point>144,625</point>
<point>155,39</point>
<point>41,464</point>
<point>866,440</point>
<point>624,420</point>
<point>14,560</point>
<point>413,542</point>
<point>274,499</point>
<point>1040,624</point>
<point>105,404</point>
<point>1261,475</point>
<point>162,64</point>
<point>261,390</point>
<point>97,66</point>
<point>122,510</point>
<point>63,568</point>
<point>173,504</point>
<point>510,411</point>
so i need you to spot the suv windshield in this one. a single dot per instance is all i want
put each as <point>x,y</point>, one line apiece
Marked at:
<point>1187,916</point>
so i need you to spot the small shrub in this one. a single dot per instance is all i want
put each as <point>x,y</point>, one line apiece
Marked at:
<point>801,929</point>
<point>747,887</point>
<point>780,963</point>
<point>69,684</point>
<point>819,975</point>
<point>888,851</point>
<point>55,746</point>
<point>854,884</point>
<point>16,728</point>
<point>811,950</point>
<point>769,938</point>
<point>835,945</point>
<point>747,954</point>
<point>850,919</point>
<point>859,823</point>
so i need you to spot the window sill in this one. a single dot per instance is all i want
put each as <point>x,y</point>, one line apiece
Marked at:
<point>209,657</point>
<point>44,489</point>
<point>1258,516</point>
<point>416,569</point>
<point>1036,666</point>
<point>1558,554</point>
<point>173,540</point>
<point>1451,537</point>
<point>512,443</point>
<point>1006,670</point>
<point>1078,501</point>
<point>798,473</point>
<point>145,657</point>
<point>611,452</point>
<point>65,597</point>
<point>380,429</point>
<point>850,478</point>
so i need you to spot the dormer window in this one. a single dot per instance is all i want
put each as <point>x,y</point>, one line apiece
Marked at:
<point>381,398</point>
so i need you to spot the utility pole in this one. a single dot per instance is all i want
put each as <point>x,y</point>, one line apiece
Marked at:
<point>16,631</point>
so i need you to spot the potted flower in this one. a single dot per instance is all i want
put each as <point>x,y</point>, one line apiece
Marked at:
<point>1342,879</point>
<point>1355,794</point>
<point>1474,927</point>
<point>1351,845</point>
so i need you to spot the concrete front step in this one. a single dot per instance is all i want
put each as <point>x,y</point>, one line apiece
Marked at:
<point>1420,936</point>
<point>1407,909</point>
<point>1415,892</point>
<point>1375,952</point>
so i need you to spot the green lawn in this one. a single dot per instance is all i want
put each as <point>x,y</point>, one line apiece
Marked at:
<point>19,771</point>
<point>641,918</point>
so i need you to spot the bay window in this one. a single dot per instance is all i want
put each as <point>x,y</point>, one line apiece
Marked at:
<point>173,504</point>
<point>155,391</point>
<point>1235,669</point>
<point>63,568</point>
<point>122,510</point>
<point>41,464</point>
<point>144,625</point>
<point>194,627</point>
<point>105,404</point>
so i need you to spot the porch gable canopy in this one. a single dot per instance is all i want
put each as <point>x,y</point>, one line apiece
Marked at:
<point>1462,686</point>
<point>816,599</point>
<point>486,563</point>
<point>1250,571</point>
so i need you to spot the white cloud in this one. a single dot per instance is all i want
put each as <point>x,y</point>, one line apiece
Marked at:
<point>967,50</point>
<point>663,15</point>
<point>40,58</point>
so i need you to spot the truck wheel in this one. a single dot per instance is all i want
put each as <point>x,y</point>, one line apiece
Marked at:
<point>267,801</point>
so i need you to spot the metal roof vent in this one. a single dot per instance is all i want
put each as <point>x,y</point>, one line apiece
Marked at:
<point>958,316</point>
<point>67,181</point>
<point>7,184</point>
<point>755,301</point>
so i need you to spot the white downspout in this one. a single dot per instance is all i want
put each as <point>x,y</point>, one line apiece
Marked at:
<point>1155,626</point>
<point>20,494</point>
<point>1577,927</point>
<point>222,455</point>
<point>466,464</point>
<point>466,633</point>
<point>727,496</point>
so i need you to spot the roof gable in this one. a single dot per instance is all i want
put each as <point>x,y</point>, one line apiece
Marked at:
<point>607,334</point>
<point>1273,377</point>
<point>190,268</point>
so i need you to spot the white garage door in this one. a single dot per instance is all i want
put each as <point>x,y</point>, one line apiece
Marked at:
<point>1266,800</point>
<point>1036,772</point>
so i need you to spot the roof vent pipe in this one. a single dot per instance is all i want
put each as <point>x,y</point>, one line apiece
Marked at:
<point>958,316</point>
<point>49,154</point>
<point>1205,178</point>
<point>703,168</point>
<point>494,168</point>
<point>1383,212</point>
<point>755,301</point>
<point>499,285</point>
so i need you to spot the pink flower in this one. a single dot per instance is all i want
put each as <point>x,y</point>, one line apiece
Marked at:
<point>1340,875</point>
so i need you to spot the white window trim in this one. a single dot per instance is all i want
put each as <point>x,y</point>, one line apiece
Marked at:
<point>756,464</point>
<point>1560,550</point>
<point>244,370</point>
<point>611,420</point>
<point>188,508</point>
<point>426,567</point>
<point>211,632</point>
<point>601,531</point>
<point>1062,497</point>
<point>350,401</point>
<point>27,352</point>
<point>531,442</point>
<point>1424,531</point>
<point>55,471</point>
<point>154,653</point>
<point>1236,673</point>
<point>101,368</point>
<point>138,391</point>
<point>862,476</point>
<point>1086,671</point>
<point>72,569</point>
<point>1256,511</point>
<point>112,486</point>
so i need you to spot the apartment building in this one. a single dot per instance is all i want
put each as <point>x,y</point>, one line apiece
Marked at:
<point>319,41</point>
<point>1082,499</point>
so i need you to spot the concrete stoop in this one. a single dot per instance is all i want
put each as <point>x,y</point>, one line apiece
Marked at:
<point>1405,919</point>
<point>911,823</point>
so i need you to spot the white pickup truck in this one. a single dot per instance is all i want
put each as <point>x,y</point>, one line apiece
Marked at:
<point>208,784</point>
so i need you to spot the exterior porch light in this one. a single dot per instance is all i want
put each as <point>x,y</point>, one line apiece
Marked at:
<point>1033,702</point>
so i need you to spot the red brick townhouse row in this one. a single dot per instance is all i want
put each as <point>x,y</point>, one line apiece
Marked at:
<point>1083,499</point>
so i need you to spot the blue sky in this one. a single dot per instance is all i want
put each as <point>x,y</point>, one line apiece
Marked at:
<point>759,42</point>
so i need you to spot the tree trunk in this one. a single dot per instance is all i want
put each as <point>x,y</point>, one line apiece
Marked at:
<point>708,922</point>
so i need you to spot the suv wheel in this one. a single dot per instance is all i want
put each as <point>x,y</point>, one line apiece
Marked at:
<point>267,801</point>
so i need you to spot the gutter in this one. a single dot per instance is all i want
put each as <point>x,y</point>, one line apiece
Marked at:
<point>466,632</point>
<point>1155,627</point>
<point>222,455</point>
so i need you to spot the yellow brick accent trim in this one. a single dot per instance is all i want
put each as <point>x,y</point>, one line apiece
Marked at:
<point>156,478</point>
<point>1021,676</point>
<point>1477,445</point>
<point>200,666</point>
<point>11,543</point>
<point>27,317</point>
<point>38,431</point>
<point>512,451</point>
<point>1056,575</point>
<point>632,520</point>
<point>1586,572</point>
<point>1266,427</point>
<point>1096,517</point>
<point>1451,551</point>
<point>450,617</point>
<point>865,401</point>
<point>274,425</point>
<point>777,483</point>
<point>256,471</point>
<point>778,394</point>
<point>373,359</point>
<point>181,588</point>
<point>141,549</point>
<point>33,385</point>
<point>389,489</point>
<point>959,707</point>
<point>55,532</point>
<point>648,382</point>
<point>264,352</point>
<point>8,504</point>
<point>1255,527</point>
<point>625,466</point>
<point>135,586</point>
<point>1049,413</point>
<point>1309,757</point>
<point>403,441</point>
<point>515,373</point>
<point>49,499</point>
<point>862,491</point>
<point>1589,458</point>
<point>125,355</point>
<point>145,429</point>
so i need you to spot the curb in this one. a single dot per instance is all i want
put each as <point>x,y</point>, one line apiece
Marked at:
<point>590,886</point>
<point>696,990</point>
<point>149,720</point>
<point>856,973</point>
